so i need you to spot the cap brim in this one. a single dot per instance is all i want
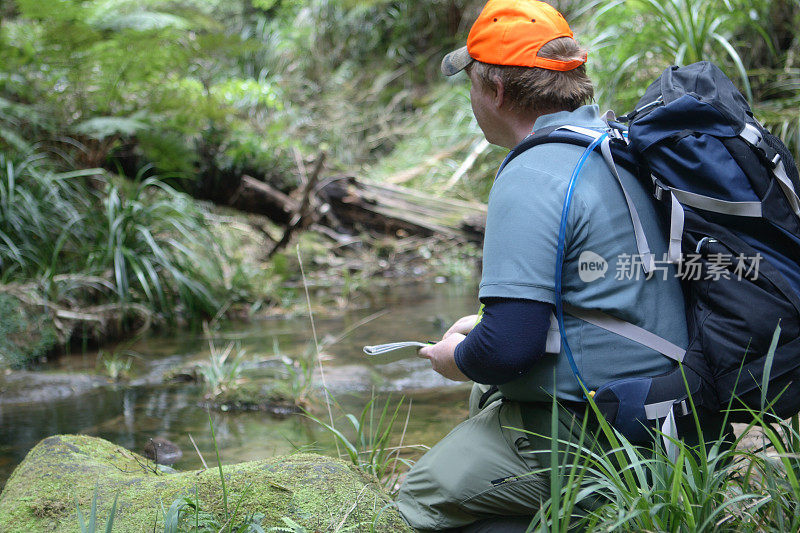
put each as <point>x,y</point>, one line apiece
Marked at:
<point>456,61</point>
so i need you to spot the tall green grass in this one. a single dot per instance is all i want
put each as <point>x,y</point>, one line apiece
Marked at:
<point>158,247</point>
<point>43,218</point>
<point>713,486</point>
<point>85,232</point>
<point>367,441</point>
<point>221,371</point>
<point>89,247</point>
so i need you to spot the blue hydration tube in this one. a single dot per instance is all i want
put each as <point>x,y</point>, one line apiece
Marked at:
<point>562,236</point>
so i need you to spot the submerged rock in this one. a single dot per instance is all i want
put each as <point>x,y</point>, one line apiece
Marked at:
<point>24,386</point>
<point>319,493</point>
<point>162,451</point>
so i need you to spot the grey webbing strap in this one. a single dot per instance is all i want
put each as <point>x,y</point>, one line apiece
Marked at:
<point>669,434</point>
<point>669,428</point>
<point>658,410</point>
<point>648,259</point>
<point>594,134</point>
<point>752,136</point>
<point>788,188</point>
<point>679,198</point>
<point>629,331</point>
<point>707,203</point>
<point>553,343</point>
<point>676,221</point>
<point>677,406</point>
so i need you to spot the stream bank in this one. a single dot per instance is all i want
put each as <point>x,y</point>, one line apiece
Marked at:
<point>338,274</point>
<point>148,405</point>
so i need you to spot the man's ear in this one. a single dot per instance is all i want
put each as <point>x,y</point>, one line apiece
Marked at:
<point>499,91</point>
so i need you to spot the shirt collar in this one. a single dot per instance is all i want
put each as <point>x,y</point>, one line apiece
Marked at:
<point>587,116</point>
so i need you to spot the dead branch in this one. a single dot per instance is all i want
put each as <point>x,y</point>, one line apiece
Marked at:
<point>301,214</point>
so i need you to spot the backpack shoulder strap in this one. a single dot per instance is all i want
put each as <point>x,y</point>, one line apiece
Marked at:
<point>577,136</point>
<point>612,153</point>
<point>754,136</point>
<point>587,137</point>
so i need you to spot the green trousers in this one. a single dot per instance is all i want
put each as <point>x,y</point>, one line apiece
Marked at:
<point>490,465</point>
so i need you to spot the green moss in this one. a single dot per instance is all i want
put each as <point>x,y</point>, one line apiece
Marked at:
<point>273,396</point>
<point>315,491</point>
<point>256,394</point>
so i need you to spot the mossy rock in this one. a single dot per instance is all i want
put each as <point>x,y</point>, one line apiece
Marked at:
<point>319,493</point>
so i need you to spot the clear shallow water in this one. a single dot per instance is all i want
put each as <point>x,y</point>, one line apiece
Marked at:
<point>131,414</point>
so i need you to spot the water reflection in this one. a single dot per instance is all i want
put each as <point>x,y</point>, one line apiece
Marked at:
<point>130,415</point>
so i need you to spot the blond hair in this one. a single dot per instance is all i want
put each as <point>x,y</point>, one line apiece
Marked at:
<point>540,90</point>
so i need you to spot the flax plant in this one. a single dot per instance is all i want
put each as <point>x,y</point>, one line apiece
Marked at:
<point>43,218</point>
<point>96,248</point>
<point>646,488</point>
<point>695,30</point>
<point>222,370</point>
<point>780,112</point>
<point>156,244</point>
<point>370,449</point>
<point>636,39</point>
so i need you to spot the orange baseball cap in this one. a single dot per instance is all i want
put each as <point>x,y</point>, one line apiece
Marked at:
<point>511,32</point>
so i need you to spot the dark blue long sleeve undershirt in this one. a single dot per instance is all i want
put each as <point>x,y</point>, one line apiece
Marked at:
<point>507,342</point>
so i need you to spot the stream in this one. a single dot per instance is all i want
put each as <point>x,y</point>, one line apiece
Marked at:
<point>70,395</point>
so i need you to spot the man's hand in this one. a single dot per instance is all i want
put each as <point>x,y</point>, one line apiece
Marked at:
<point>441,356</point>
<point>463,326</point>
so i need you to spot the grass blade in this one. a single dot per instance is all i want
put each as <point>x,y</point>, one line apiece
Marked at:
<point>768,365</point>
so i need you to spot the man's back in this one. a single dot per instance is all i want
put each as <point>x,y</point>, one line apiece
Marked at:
<point>601,270</point>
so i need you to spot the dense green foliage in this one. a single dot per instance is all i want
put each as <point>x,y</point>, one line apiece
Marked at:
<point>209,88</point>
<point>186,96</point>
<point>112,250</point>
<point>754,42</point>
<point>206,90</point>
<point>749,484</point>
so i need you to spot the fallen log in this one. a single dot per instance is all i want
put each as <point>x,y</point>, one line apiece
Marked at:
<point>348,205</point>
<point>254,196</point>
<point>394,210</point>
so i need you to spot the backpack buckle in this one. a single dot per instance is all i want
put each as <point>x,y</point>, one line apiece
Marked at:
<point>660,190</point>
<point>616,132</point>
<point>681,408</point>
<point>769,155</point>
<point>752,136</point>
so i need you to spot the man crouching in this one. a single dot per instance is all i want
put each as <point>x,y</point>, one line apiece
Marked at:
<point>527,74</point>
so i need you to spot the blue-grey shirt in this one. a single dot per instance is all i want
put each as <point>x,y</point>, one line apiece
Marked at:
<point>519,257</point>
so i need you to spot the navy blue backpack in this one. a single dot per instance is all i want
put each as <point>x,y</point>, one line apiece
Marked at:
<point>727,190</point>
